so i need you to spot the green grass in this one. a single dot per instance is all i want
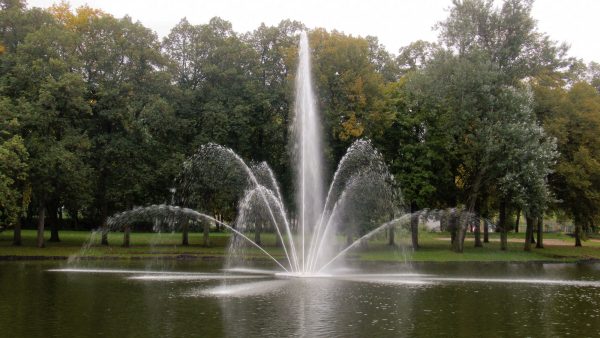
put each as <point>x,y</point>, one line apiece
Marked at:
<point>557,247</point>
<point>141,245</point>
<point>435,247</point>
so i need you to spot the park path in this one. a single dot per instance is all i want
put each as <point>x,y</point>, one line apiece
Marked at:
<point>549,241</point>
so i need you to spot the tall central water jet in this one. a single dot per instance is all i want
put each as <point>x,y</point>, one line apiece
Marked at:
<point>307,134</point>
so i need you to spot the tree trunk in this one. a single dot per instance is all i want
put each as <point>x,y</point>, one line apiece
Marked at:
<point>486,232</point>
<point>414,225</point>
<point>349,240</point>
<point>206,233</point>
<point>17,233</point>
<point>126,235</point>
<point>40,227</point>
<point>184,233</point>
<point>391,235</point>
<point>54,226</point>
<point>517,221</point>
<point>577,234</point>
<point>30,213</point>
<point>459,233</point>
<point>257,231</point>
<point>528,232</point>
<point>502,224</point>
<point>104,240</point>
<point>75,218</point>
<point>364,243</point>
<point>452,225</point>
<point>61,219</point>
<point>477,223</point>
<point>478,243</point>
<point>540,233</point>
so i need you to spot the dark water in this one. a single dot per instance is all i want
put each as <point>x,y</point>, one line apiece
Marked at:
<point>35,302</point>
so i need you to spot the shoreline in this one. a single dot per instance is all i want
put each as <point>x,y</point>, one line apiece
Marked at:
<point>215,258</point>
<point>434,248</point>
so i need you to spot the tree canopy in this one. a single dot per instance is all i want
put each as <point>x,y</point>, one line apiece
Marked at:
<point>97,113</point>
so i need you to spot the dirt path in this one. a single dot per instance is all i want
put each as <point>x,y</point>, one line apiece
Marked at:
<point>549,241</point>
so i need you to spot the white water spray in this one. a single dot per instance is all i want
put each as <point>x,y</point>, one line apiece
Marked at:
<point>307,135</point>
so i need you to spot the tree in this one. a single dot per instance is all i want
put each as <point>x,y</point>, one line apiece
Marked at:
<point>15,191</point>
<point>16,22</point>
<point>464,89</point>
<point>416,55</point>
<point>383,61</point>
<point>235,90</point>
<point>182,48</point>
<point>49,100</point>
<point>593,75</point>
<point>490,52</point>
<point>507,35</point>
<point>523,155</point>
<point>276,49</point>
<point>414,145</point>
<point>350,89</point>
<point>132,128</point>
<point>573,117</point>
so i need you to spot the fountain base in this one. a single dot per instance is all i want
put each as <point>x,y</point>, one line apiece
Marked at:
<point>302,275</point>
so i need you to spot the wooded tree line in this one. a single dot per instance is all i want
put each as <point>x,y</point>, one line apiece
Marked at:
<point>97,113</point>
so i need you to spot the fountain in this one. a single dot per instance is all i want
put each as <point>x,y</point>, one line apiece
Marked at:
<point>359,197</point>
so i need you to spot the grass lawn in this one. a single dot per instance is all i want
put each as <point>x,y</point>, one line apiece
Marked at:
<point>435,247</point>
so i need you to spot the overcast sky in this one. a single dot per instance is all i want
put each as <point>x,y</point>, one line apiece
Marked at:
<point>395,22</point>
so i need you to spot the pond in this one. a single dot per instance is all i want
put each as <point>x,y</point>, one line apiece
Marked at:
<point>196,299</point>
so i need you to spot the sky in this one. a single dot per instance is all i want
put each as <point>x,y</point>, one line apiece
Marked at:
<point>395,22</point>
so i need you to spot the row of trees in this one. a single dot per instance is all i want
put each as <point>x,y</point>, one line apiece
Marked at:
<point>97,114</point>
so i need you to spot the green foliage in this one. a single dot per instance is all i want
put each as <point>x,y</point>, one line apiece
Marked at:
<point>496,146</point>
<point>507,35</point>
<point>573,117</point>
<point>14,189</point>
<point>415,143</point>
<point>350,88</point>
<point>97,114</point>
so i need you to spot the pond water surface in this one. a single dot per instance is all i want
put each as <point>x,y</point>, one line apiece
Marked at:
<point>196,299</point>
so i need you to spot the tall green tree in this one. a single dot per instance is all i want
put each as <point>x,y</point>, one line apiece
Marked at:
<point>276,49</point>
<point>350,89</point>
<point>491,50</point>
<point>131,121</point>
<point>414,145</point>
<point>15,191</point>
<point>573,117</point>
<point>507,35</point>
<point>49,97</point>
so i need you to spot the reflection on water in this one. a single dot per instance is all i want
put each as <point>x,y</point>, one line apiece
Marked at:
<point>266,288</point>
<point>469,300</point>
